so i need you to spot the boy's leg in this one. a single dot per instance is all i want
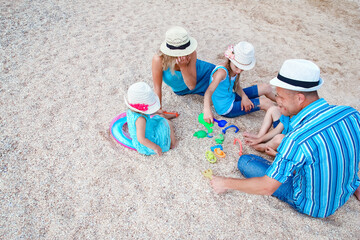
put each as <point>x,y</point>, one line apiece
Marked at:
<point>267,90</point>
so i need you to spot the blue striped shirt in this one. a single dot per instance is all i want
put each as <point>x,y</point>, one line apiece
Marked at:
<point>321,154</point>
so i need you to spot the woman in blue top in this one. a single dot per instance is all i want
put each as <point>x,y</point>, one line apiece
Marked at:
<point>229,99</point>
<point>177,65</point>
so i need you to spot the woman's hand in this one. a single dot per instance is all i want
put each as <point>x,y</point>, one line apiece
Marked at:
<point>246,104</point>
<point>183,62</point>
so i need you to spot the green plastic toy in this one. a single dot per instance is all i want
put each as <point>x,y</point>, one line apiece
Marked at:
<point>200,134</point>
<point>207,125</point>
<point>220,139</point>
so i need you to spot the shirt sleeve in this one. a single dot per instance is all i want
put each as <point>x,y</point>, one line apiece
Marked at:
<point>289,158</point>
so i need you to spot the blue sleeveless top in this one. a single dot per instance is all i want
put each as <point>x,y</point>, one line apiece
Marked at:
<point>157,130</point>
<point>177,84</point>
<point>223,96</point>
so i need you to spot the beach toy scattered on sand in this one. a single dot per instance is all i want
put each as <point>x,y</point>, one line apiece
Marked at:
<point>220,139</point>
<point>172,113</point>
<point>219,153</point>
<point>119,131</point>
<point>208,173</point>
<point>210,157</point>
<point>200,134</point>
<point>237,140</point>
<point>207,125</point>
<point>221,123</point>
<point>209,136</point>
<point>236,129</point>
<point>216,146</point>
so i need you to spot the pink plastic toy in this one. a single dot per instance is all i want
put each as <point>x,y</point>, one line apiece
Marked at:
<point>237,140</point>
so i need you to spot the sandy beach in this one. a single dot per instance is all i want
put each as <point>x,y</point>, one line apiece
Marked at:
<point>65,67</point>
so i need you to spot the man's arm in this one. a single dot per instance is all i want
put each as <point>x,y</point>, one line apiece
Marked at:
<point>257,185</point>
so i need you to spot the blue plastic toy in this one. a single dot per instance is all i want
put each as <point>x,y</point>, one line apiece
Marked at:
<point>236,128</point>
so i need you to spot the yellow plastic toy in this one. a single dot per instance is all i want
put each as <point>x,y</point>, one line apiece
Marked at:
<point>210,157</point>
<point>208,173</point>
<point>219,153</point>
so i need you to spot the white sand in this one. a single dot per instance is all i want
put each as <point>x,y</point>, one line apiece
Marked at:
<point>65,66</point>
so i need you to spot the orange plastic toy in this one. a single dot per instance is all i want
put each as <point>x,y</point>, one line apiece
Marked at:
<point>219,153</point>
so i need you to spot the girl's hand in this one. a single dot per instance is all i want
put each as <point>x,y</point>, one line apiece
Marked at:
<point>158,150</point>
<point>208,116</point>
<point>246,104</point>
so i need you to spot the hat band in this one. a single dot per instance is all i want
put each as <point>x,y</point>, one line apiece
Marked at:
<point>297,83</point>
<point>241,63</point>
<point>172,47</point>
<point>141,106</point>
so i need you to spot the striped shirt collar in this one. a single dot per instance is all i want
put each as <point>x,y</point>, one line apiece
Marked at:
<point>307,112</point>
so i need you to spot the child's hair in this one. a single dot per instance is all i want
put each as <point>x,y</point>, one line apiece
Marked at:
<point>168,62</point>
<point>227,66</point>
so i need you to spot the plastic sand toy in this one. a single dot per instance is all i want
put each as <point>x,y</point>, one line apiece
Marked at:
<point>210,157</point>
<point>216,146</point>
<point>236,129</point>
<point>200,134</point>
<point>237,140</point>
<point>219,153</point>
<point>220,139</point>
<point>207,125</point>
<point>208,173</point>
<point>221,123</point>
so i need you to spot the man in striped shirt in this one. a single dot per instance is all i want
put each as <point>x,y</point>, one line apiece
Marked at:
<point>316,168</point>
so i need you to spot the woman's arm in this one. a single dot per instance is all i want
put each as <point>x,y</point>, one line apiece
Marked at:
<point>187,65</point>
<point>218,76</point>
<point>157,75</point>
<point>140,134</point>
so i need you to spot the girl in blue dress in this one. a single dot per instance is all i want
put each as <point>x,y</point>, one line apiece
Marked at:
<point>224,91</point>
<point>177,65</point>
<point>150,135</point>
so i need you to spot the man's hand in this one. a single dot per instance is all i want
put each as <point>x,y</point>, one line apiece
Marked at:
<point>218,184</point>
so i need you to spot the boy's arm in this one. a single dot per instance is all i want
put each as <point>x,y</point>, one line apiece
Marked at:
<point>140,134</point>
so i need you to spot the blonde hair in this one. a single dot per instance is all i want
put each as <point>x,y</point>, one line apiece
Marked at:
<point>167,62</point>
<point>227,66</point>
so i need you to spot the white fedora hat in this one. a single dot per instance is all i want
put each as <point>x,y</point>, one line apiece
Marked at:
<point>178,43</point>
<point>141,98</point>
<point>298,75</point>
<point>242,55</point>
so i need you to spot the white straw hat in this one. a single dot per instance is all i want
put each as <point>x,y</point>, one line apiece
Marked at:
<point>178,43</point>
<point>242,55</point>
<point>298,75</point>
<point>141,98</point>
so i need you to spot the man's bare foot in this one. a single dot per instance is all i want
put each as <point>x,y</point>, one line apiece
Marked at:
<point>259,147</point>
<point>357,193</point>
<point>271,152</point>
